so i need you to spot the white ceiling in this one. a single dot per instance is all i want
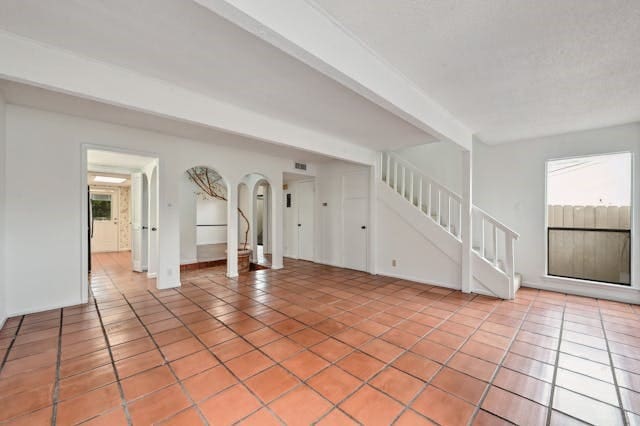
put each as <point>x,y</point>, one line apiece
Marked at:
<point>510,69</point>
<point>93,183</point>
<point>185,44</point>
<point>102,161</point>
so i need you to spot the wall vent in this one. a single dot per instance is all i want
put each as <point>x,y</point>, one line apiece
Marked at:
<point>301,166</point>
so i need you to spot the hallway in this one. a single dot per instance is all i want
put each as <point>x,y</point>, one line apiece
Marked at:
<point>313,343</point>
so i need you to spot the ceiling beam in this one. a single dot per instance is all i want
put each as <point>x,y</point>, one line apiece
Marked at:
<point>307,33</point>
<point>62,71</point>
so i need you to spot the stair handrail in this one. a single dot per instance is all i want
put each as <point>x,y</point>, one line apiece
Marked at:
<point>496,222</point>
<point>510,235</point>
<point>416,170</point>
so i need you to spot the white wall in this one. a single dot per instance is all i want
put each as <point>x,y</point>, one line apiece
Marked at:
<point>441,161</point>
<point>3,292</point>
<point>44,172</point>
<point>417,258</point>
<point>509,183</point>
<point>211,212</point>
<point>188,215</point>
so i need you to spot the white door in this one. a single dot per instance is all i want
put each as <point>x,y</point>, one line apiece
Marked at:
<point>355,232</point>
<point>356,219</point>
<point>138,222</point>
<point>104,211</point>
<point>305,194</point>
<point>152,251</point>
<point>290,223</point>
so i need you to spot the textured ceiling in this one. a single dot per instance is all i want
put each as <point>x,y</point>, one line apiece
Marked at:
<point>510,69</point>
<point>182,43</point>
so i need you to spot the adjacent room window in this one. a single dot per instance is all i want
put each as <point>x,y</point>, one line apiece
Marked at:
<point>101,206</point>
<point>589,218</point>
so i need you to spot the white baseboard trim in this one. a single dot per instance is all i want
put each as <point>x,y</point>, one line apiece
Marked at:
<point>483,292</point>
<point>418,280</point>
<point>587,289</point>
<point>2,321</point>
<point>152,275</point>
<point>171,286</point>
<point>43,309</point>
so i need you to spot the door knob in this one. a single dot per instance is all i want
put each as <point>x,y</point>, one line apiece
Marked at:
<point>145,227</point>
<point>154,229</point>
<point>363,227</point>
<point>299,224</point>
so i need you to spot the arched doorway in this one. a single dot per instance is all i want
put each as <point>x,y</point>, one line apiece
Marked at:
<point>203,219</point>
<point>256,202</point>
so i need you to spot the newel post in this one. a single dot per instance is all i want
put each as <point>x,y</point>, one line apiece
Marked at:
<point>466,222</point>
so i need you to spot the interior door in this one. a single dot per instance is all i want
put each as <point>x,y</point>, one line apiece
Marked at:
<point>356,214</point>
<point>305,194</point>
<point>355,232</point>
<point>104,211</point>
<point>138,222</point>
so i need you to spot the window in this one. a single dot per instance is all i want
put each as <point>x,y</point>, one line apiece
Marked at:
<point>589,218</point>
<point>101,206</point>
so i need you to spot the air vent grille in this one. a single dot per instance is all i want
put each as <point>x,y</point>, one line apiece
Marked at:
<point>301,166</point>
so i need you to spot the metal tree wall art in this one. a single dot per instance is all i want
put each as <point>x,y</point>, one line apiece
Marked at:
<point>212,186</point>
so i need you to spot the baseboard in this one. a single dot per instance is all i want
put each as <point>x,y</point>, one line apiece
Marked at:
<point>2,321</point>
<point>43,309</point>
<point>152,275</point>
<point>418,280</point>
<point>587,289</point>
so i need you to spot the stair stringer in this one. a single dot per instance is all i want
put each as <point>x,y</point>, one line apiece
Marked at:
<point>488,280</point>
<point>421,222</point>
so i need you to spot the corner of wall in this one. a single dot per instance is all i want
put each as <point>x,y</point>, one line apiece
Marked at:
<point>3,291</point>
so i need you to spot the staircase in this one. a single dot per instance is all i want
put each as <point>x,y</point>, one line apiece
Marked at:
<point>436,212</point>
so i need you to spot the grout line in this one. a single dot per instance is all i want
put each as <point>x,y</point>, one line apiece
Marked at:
<point>444,365</point>
<point>478,406</point>
<point>166,362</point>
<point>13,340</point>
<point>123,400</point>
<point>555,366</point>
<point>613,370</point>
<point>220,362</point>
<point>246,287</point>
<point>56,388</point>
<point>279,363</point>
<point>357,349</point>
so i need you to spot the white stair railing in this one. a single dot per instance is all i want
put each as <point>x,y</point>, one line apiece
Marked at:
<point>433,199</point>
<point>493,241</point>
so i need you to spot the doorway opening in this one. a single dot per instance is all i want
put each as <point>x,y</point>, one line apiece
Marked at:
<point>203,219</point>
<point>255,220</point>
<point>589,218</point>
<point>299,216</point>
<point>121,217</point>
<point>110,200</point>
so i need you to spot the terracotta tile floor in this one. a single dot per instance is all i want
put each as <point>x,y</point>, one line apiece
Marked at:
<point>316,344</point>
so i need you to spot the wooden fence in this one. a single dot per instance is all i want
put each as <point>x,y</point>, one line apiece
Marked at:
<point>590,242</point>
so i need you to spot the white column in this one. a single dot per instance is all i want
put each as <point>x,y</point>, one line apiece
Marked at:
<point>232,230</point>
<point>277,227</point>
<point>251,214</point>
<point>373,219</point>
<point>465,222</point>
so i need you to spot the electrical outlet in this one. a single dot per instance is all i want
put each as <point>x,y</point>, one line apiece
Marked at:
<point>393,263</point>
